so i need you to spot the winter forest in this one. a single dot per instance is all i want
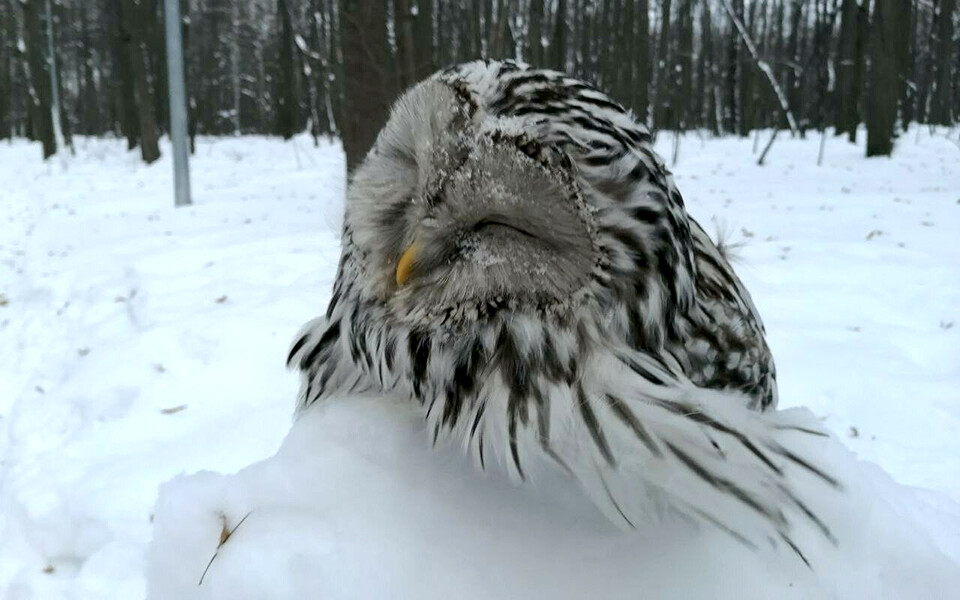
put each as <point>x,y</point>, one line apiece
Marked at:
<point>278,67</point>
<point>723,359</point>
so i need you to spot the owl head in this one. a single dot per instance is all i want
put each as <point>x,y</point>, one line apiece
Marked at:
<point>494,189</point>
<point>457,215</point>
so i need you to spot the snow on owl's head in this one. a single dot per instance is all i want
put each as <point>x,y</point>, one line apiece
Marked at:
<point>494,188</point>
<point>459,215</point>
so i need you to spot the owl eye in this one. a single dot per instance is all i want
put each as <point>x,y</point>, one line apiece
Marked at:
<point>494,222</point>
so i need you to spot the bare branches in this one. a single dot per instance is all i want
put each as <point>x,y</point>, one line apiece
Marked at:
<point>676,64</point>
<point>764,68</point>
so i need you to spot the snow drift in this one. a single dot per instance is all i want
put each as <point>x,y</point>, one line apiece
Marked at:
<point>356,504</point>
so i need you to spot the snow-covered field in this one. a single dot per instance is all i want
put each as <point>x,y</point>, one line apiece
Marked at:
<point>138,342</point>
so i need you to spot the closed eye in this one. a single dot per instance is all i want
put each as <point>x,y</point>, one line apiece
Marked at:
<point>391,215</point>
<point>494,222</point>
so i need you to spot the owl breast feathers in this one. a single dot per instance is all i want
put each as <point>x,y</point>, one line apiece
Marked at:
<point>517,260</point>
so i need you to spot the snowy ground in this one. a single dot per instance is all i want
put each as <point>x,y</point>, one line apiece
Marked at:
<point>138,342</point>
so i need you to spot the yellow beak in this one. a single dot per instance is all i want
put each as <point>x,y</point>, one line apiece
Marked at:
<point>405,266</point>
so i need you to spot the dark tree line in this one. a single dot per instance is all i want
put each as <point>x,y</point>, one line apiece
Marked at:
<point>334,66</point>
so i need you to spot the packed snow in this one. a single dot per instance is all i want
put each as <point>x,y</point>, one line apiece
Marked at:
<point>142,382</point>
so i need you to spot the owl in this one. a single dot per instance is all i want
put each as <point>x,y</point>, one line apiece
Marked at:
<point>517,261</point>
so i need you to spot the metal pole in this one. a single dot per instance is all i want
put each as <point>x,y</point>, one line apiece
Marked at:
<point>178,104</point>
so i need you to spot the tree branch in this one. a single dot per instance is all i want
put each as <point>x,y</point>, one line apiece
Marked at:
<point>763,66</point>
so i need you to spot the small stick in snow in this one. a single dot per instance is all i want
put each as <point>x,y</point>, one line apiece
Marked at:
<point>823,143</point>
<point>763,155</point>
<point>224,536</point>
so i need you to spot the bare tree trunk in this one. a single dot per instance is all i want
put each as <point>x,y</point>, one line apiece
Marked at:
<point>235,66</point>
<point>535,34</point>
<point>763,66</point>
<point>423,26</point>
<point>464,33</point>
<point>860,72</point>
<point>849,69</point>
<point>315,70</point>
<point>601,45</point>
<point>507,44</point>
<point>794,69</point>
<point>38,79</point>
<point>820,59</point>
<point>133,16</point>
<point>506,41</point>
<point>311,63</point>
<point>662,111</point>
<point>6,71</point>
<point>698,103</point>
<point>55,108</point>
<point>766,102</point>
<point>487,27</point>
<point>641,45</point>
<point>191,99</point>
<point>884,78</point>
<point>733,76</point>
<point>90,115</point>
<point>558,46</point>
<point>744,105</point>
<point>287,102</point>
<point>711,86</point>
<point>476,31</point>
<point>406,44</point>
<point>124,99</point>
<point>627,39</point>
<point>685,62</point>
<point>956,80</point>
<point>156,52</point>
<point>922,65</point>
<point>336,93</point>
<point>363,43</point>
<point>614,82</point>
<point>942,102</point>
<point>444,52</point>
<point>905,89</point>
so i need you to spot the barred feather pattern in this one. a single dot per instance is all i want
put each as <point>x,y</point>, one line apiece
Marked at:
<point>652,384</point>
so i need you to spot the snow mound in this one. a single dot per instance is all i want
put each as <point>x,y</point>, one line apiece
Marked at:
<point>356,504</point>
